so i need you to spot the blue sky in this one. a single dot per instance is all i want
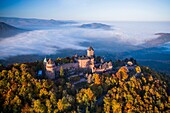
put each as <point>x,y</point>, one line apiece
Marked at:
<point>111,10</point>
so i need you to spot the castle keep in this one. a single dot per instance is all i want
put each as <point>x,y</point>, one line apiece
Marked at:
<point>87,61</point>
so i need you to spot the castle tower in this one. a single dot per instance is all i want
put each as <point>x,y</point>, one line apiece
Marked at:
<point>50,69</point>
<point>92,63</point>
<point>90,52</point>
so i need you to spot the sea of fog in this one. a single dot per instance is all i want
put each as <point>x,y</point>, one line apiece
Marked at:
<point>123,36</point>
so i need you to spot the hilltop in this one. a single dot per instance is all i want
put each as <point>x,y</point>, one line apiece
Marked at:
<point>129,87</point>
<point>161,39</point>
<point>7,30</point>
<point>33,23</point>
<point>96,26</point>
<point>4,26</point>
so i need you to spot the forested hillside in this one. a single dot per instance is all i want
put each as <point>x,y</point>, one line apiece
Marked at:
<point>123,91</point>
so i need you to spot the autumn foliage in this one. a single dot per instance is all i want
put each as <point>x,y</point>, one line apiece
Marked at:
<point>122,73</point>
<point>142,94</point>
<point>120,92</point>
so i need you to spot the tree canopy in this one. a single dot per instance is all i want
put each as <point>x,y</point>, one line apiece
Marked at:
<point>121,91</point>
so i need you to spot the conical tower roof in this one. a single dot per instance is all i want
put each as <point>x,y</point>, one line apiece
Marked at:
<point>50,61</point>
<point>90,49</point>
<point>45,60</point>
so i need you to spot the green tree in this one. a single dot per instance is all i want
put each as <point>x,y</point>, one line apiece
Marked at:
<point>61,72</point>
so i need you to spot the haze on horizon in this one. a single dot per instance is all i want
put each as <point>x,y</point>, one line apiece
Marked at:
<point>102,10</point>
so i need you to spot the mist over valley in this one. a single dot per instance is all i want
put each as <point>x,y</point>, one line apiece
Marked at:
<point>112,40</point>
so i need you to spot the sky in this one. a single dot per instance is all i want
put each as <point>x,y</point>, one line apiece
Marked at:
<point>103,10</point>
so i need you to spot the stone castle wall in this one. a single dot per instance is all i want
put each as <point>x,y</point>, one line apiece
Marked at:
<point>67,66</point>
<point>84,63</point>
<point>50,75</point>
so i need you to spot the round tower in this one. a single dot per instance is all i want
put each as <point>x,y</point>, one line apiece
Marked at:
<point>50,69</point>
<point>90,52</point>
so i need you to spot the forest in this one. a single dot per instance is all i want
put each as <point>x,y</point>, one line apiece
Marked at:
<point>120,92</point>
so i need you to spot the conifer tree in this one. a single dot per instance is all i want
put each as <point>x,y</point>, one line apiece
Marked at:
<point>61,72</point>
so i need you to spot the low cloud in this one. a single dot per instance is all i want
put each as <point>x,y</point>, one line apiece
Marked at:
<point>49,41</point>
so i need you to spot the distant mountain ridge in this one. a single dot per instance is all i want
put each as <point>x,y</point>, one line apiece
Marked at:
<point>7,30</point>
<point>33,22</point>
<point>163,38</point>
<point>4,26</point>
<point>96,26</point>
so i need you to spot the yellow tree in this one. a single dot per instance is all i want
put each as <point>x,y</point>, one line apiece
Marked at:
<point>150,78</point>
<point>49,106</point>
<point>107,104</point>
<point>97,79</point>
<point>138,70</point>
<point>43,92</point>
<point>60,105</point>
<point>23,67</point>
<point>38,107</point>
<point>116,107</point>
<point>85,97</point>
<point>122,73</point>
<point>63,104</point>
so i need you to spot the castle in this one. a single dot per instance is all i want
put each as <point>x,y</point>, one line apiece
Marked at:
<point>83,62</point>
